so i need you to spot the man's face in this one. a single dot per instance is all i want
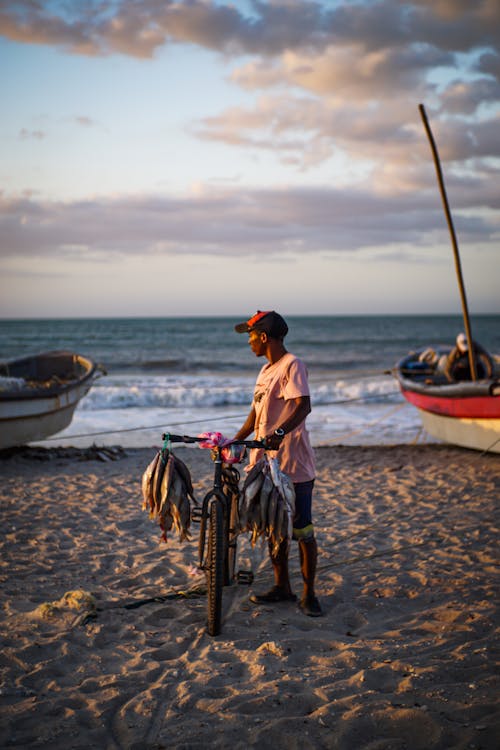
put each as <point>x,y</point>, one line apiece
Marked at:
<point>256,341</point>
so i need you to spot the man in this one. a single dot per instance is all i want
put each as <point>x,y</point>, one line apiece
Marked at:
<point>279,409</point>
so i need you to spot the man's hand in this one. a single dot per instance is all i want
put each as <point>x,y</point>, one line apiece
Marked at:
<point>273,441</point>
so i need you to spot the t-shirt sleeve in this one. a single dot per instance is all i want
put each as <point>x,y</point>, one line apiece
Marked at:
<point>295,383</point>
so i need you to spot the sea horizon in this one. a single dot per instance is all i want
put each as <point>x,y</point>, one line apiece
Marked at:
<point>225,316</point>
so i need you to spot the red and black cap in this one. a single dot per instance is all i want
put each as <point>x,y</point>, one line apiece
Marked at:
<point>267,321</point>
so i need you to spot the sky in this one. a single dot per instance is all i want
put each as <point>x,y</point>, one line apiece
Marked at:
<point>210,157</point>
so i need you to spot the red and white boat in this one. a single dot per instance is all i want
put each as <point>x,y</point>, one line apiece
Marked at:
<point>465,413</point>
<point>462,410</point>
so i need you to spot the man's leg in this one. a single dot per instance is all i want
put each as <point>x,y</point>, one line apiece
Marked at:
<point>279,561</point>
<point>308,549</point>
<point>308,552</point>
<point>281,591</point>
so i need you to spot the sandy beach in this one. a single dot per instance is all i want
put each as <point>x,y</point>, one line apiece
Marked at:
<point>405,655</point>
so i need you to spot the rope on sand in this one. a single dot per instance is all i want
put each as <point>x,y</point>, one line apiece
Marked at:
<point>379,553</point>
<point>138,429</point>
<point>417,437</point>
<point>193,593</point>
<point>488,449</point>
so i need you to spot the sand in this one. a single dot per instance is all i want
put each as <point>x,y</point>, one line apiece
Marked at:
<point>404,656</point>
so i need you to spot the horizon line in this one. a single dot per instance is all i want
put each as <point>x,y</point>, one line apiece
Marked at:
<point>192,316</point>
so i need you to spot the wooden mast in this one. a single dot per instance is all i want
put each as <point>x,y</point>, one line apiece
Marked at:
<point>458,267</point>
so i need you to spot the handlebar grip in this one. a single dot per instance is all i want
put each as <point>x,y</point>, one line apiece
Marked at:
<point>249,443</point>
<point>256,444</point>
<point>179,438</point>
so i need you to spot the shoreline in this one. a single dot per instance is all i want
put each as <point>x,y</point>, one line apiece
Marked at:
<point>403,657</point>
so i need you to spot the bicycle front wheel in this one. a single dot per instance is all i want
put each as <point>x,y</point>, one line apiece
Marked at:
<point>232,540</point>
<point>215,567</point>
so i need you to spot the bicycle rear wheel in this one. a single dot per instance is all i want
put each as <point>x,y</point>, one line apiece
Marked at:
<point>215,567</point>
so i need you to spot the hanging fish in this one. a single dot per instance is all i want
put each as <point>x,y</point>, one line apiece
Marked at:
<point>167,491</point>
<point>183,470</point>
<point>265,493</point>
<point>166,482</point>
<point>267,503</point>
<point>271,512</point>
<point>251,488</point>
<point>147,484</point>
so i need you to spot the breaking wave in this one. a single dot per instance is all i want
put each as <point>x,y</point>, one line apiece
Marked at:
<point>191,392</point>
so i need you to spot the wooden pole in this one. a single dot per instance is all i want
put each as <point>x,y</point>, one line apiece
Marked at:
<point>458,267</point>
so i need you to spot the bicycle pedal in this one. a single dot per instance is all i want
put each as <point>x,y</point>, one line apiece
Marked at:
<point>196,514</point>
<point>244,577</point>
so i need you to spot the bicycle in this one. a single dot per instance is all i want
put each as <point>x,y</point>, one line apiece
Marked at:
<point>220,513</point>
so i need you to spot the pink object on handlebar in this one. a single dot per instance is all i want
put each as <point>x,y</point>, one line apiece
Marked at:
<point>213,439</point>
<point>232,454</point>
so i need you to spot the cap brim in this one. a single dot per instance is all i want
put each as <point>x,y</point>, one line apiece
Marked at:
<point>241,328</point>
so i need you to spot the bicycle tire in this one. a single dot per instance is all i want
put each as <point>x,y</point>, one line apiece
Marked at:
<point>232,539</point>
<point>215,567</point>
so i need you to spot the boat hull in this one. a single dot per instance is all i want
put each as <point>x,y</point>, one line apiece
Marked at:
<point>28,429</point>
<point>459,407</point>
<point>34,414</point>
<point>465,414</point>
<point>477,434</point>
<point>51,416</point>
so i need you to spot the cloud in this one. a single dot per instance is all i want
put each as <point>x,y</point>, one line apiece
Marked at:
<point>330,81</point>
<point>465,97</point>
<point>456,24</point>
<point>489,64</point>
<point>230,223</point>
<point>346,71</point>
<point>25,134</point>
<point>84,121</point>
<point>353,61</point>
<point>478,140</point>
<point>270,28</point>
<point>361,76</point>
<point>307,130</point>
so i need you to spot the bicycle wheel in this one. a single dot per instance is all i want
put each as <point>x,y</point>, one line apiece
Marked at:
<point>215,567</point>
<point>232,539</point>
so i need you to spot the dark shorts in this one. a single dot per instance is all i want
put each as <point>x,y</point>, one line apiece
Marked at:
<point>302,521</point>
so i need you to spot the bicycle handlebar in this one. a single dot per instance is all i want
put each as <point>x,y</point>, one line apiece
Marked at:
<point>192,439</point>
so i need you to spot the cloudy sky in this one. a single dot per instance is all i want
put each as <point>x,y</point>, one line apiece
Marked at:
<point>218,156</point>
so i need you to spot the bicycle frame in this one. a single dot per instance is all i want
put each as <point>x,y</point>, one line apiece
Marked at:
<point>219,514</point>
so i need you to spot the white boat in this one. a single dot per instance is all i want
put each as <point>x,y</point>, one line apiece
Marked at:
<point>39,394</point>
<point>465,413</point>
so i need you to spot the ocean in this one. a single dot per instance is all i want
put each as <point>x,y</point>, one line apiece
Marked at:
<point>191,375</point>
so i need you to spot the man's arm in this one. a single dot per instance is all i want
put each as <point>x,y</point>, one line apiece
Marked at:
<point>248,427</point>
<point>302,407</point>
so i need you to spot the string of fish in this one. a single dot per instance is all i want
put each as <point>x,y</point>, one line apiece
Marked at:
<point>267,503</point>
<point>167,492</point>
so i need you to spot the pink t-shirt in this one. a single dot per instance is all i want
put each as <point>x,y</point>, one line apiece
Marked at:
<point>276,387</point>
